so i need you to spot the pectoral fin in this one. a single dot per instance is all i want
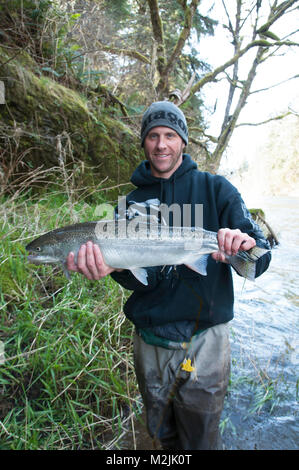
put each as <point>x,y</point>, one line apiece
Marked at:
<point>66,271</point>
<point>140,274</point>
<point>199,265</point>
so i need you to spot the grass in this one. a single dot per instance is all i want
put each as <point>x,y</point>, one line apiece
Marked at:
<point>67,381</point>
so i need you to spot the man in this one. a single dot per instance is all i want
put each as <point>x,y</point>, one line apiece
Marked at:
<point>181,346</point>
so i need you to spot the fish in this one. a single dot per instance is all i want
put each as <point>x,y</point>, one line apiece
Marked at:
<point>137,244</point>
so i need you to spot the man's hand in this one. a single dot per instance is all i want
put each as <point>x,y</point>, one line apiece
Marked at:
<point>90,262</point>
<point>230,242</point>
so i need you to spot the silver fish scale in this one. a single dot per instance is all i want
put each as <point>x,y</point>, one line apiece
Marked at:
<point>136,229</point>
<point>124,253</point>
<point>139,244</point>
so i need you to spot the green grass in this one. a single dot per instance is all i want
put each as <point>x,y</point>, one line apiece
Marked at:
<point>67,381</point>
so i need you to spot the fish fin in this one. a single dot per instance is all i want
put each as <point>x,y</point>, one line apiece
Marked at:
<point>256,252</point>
<point>66,271</point>
<point>244,268</point>
<point>140,274</point>
<point>199,265</point>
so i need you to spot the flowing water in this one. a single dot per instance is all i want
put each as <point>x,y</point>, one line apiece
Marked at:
<point>261,410</point>
<point>261,407</point>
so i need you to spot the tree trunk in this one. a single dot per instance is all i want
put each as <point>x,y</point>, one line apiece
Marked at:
<point>226,133</point>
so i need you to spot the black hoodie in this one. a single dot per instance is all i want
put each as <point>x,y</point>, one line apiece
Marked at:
<point>178,301</point>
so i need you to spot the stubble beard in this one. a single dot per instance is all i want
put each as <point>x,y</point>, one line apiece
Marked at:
<point>174,160</point>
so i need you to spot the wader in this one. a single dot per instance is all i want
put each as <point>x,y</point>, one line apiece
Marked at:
<point>183,390</point>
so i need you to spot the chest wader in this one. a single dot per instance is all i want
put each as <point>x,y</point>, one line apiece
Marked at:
<point>183,390</point>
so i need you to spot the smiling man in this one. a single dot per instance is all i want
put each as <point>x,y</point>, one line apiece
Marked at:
<point>181,345</point>
<point>163,149</point>
<point>164,134</point>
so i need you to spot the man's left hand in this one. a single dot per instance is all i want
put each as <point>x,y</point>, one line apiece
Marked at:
<point>230,242</point>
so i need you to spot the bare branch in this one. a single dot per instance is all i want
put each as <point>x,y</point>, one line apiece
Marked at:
<point>276,118</point>
<point>276,13</point>
<point>179,97</point>
<point>284,43</point>
<point>227,131</point>
<point>157,27</point>
<point>275,85</point>
<point>268,41</point>
<point>237,45</point>
<point>209,137</point>
<point>210,77</point>
<point>186,92</point>
<point>273,52</point>
<point>129,53</point>
<point>230,25</point>
<point>189,13</point>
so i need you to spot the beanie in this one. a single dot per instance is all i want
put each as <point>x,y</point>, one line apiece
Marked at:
<point>167,114</point>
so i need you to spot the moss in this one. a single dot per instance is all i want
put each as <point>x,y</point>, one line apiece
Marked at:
<point>257,212</point>
<point>57,125</point>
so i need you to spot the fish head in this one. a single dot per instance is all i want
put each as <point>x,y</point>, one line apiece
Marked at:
<point>44,250</point>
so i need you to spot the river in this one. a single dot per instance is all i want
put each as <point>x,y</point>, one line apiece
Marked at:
<point>261,407</point>
<point>264,341</point>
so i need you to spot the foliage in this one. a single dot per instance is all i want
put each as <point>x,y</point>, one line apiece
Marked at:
<point>121,55</point>
<point>151,50</point>
<point>67,381</point>
<point>45,124</point>
<point>118,41</point>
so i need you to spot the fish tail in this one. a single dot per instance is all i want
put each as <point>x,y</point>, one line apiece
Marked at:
<point>245,262</point>
<point>243,267</point>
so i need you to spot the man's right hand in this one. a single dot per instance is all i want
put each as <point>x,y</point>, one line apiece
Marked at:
<point>90,262</point>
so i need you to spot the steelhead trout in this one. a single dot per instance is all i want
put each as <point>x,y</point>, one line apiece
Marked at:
<point>137,244</point>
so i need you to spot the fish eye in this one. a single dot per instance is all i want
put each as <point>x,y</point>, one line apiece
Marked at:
<point>38,248</point>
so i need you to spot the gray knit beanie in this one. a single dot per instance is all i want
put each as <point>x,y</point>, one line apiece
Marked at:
<point>167,114</point>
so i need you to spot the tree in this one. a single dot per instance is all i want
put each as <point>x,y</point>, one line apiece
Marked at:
<point>143,48</point>
<point>263,42</point>
<point>170,55</point>
<point>126,53</point>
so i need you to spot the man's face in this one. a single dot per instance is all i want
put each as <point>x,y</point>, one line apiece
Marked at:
<point>163,148</point>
